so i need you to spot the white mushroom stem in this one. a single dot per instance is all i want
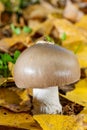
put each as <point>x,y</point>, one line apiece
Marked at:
<point>46,101</point>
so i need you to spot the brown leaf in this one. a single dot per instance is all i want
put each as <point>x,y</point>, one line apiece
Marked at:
<point>11,98</point>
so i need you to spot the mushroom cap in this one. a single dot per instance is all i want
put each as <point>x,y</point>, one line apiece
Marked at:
<point>45,65</point>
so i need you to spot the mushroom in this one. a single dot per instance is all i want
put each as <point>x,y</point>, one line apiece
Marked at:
<point>44,67</point>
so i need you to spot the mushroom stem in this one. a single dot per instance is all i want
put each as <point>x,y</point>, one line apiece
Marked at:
<point>46,101</point>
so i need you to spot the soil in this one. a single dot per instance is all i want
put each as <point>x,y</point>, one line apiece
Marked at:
<point>69,107</point>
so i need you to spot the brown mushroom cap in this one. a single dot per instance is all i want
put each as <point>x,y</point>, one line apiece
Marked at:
<point>46,65</point>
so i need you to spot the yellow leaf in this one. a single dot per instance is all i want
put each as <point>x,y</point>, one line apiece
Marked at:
<point>20,120</point>
<point>82,56</point>
<point>14,99</point>
<point>73,33</point>
<point>11,68</point>
<point>84,111</point>
<point>54,122</point>
<point>45,28</point>
<point>20,42</point>
<point>79,94</point>
<point>22,38</point>
<point>81,53</point>
<point>2,80</point>
<point>60,122</point>
<point>82,23</point>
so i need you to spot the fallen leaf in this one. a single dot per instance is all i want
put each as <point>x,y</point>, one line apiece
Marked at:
<point>2,80</point>
<point>11,68</point>
<point>20,120</point>
<point>82,56</point>
<point>15,99</point>
<point>84,111</point>
<point>4,46</point>
<point>79,94</point>
<point>9,42</point>
<point>81,53</point>
<point>73,33</point>
<point>82,22</point>
<point>42,29</point>
<point>61,122</point>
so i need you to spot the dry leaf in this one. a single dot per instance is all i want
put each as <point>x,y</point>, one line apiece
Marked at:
<point>82,23</point>
<point>20,120</point>
<point>2,80</point>
<point>40,11</point>
<point>81,53</point>
<point>4,46</point>
<point>14,99</point>
<point>72,12</point>
<point>73,34</point>
<point>79,94</point>
<point>22,38</point>
<point>60,122</point>
<point>82,56</point>
<point>43,29</point>
<point>11,68</point>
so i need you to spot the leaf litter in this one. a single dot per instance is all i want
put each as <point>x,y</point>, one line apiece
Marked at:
<point>17,103</point>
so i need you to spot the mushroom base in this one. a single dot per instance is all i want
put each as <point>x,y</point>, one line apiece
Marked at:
<point>46,101</point>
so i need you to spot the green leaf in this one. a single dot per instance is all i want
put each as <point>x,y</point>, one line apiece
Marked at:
<point>27,29</point>
<point>48,38</point>
<point>1,64</point>
<point>12,27</point>
<point>63,37</point>
<point>6,58</point>
<point>17,31</point>
<point>16,55</point>
<point>77,49</point>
